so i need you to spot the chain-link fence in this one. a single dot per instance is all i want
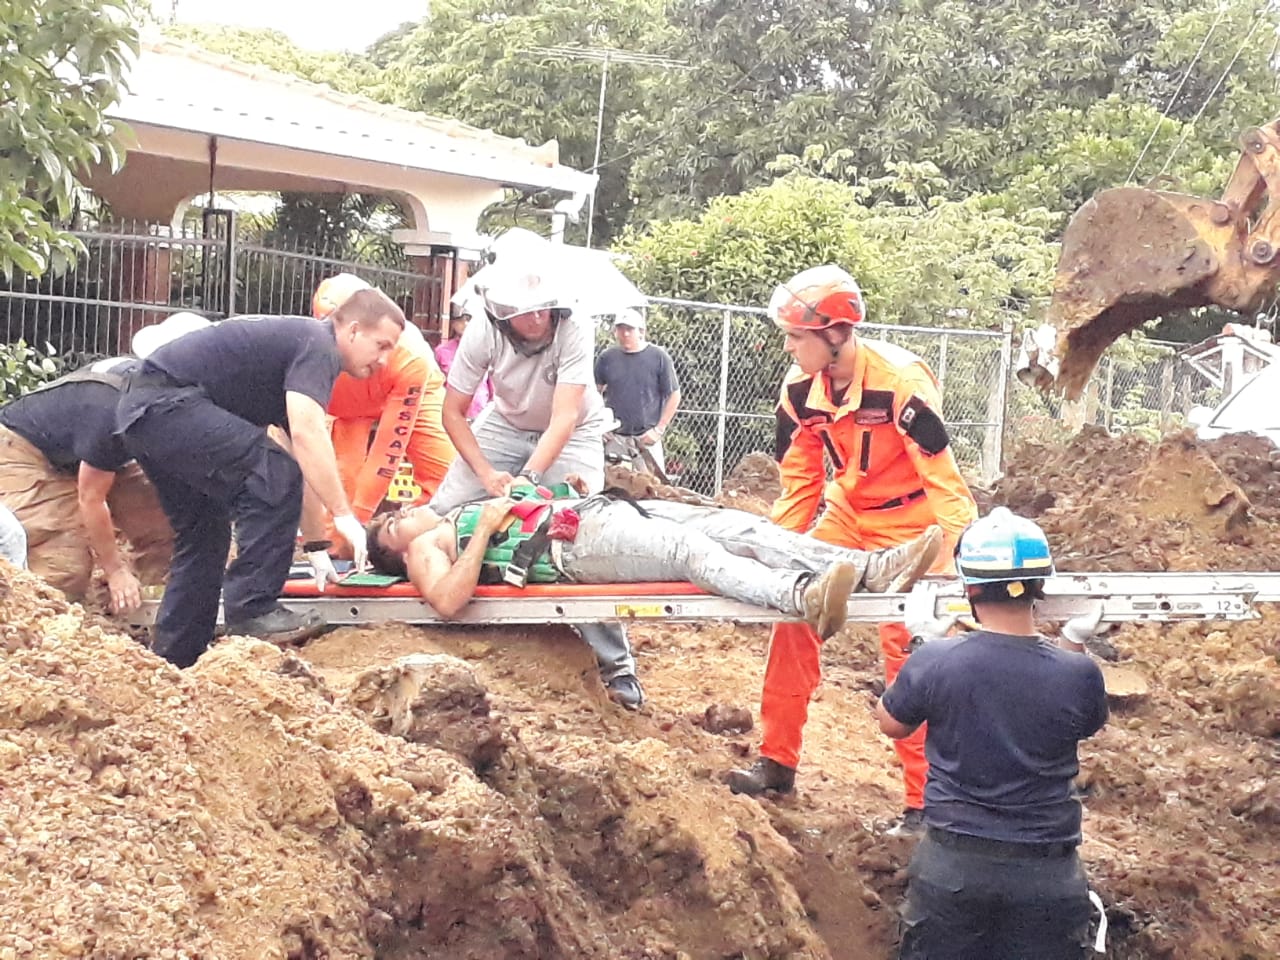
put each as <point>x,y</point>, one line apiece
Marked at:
<point>1140,386</point>
<point>731,366</point>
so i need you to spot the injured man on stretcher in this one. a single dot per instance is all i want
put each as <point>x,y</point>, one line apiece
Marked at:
<point>541,535</point>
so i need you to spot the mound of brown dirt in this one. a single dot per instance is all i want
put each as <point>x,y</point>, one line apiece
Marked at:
<point>250,808</point>
<point>394,792</point>
<point>1122,503</point>
<point>1182,809</point>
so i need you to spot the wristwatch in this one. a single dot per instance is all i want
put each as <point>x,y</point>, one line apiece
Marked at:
<point>533,476</point>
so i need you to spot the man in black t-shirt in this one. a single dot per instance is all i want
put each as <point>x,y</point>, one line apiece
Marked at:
<point>67,478</point>
<point>640,385</point>
<point>194,415</point>
<point>997,875</point>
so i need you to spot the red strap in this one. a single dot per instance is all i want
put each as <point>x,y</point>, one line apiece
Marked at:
<point>528,511</point>
<point>564,525</point>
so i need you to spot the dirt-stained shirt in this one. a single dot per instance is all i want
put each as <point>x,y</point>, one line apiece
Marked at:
<point>71,423</point>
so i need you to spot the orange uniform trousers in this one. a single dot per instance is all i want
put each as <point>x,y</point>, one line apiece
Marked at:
<point>794,669</point>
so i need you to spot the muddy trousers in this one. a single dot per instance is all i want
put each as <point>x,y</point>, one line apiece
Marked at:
<point>46,502</point>
<point>962,905</point>
<point>794,669</point>
<point>508,448</point>
<point>616,544</point>
<point>210,469</point>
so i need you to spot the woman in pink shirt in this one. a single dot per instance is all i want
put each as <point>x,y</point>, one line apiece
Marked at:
<point>444,356</point>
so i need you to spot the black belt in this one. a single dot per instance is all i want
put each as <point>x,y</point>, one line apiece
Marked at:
<point>899,501</point>
<point>1002,849</point>
<point>152,378</point>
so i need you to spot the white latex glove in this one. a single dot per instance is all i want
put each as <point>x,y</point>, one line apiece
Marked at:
<point>352,530</point>
<point>918,613</point>
<point>322,566</point>
<point>1087,626</point>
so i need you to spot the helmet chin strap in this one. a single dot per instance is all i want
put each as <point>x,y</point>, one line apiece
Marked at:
<point>835,349</point>
<point>521,345</point>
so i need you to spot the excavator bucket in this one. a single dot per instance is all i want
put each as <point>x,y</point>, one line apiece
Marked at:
<point>1132,254</point>
<point>1128,256</point>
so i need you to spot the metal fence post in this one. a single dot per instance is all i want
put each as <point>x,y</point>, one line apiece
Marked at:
<point>722,412</point>
<point>1002,386</point>
<point>942,360</point>
<point>230,275</point>
<point>1166,394</point>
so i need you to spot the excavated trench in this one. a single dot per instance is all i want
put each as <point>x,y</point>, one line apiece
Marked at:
<point>394,792</point>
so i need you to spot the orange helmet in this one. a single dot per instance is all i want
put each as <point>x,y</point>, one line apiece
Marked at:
<point>817,298</point>
<point>333,293</point>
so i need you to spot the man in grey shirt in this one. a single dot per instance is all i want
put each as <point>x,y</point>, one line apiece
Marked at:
<point>546,421</point>
<point>640,385</point>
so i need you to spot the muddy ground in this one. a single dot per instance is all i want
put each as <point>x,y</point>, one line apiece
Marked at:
<point>397,792</point>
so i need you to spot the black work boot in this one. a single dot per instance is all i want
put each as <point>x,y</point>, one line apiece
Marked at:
<point>761,776</point>
<point>625,691</point>
<point>910,824</point>
<point>280,626</point>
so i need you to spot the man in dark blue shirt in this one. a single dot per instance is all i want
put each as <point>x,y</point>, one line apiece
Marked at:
<point>997,875</point>
<point>68,479</point>
<point>194,415</point>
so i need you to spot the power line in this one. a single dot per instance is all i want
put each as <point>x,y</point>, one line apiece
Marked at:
<point>1169,106</point>
<point>1186,129</point>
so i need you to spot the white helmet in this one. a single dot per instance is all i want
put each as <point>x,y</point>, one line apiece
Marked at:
<point>150,339</point>
<point>518,293</point>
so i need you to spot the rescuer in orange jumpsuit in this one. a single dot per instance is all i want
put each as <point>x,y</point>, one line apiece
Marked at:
<point>403,400</point>
<point>874,409</point>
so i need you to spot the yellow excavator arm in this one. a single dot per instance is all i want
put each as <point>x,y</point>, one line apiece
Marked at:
<point>1131,254</point>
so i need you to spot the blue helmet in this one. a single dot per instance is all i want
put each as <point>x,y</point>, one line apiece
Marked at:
<point>1002,547</point>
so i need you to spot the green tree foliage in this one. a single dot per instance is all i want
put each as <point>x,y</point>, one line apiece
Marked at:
<point>24,367</point>
<point>61,66</point>
<point>951,81</point>
<point>1047,100</point>
<point>345,72</point>
<point>475,60</point>
<point>1036,103</point>
<point>341,226</point>
<point>768,77</point>
<point>921,258</point>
